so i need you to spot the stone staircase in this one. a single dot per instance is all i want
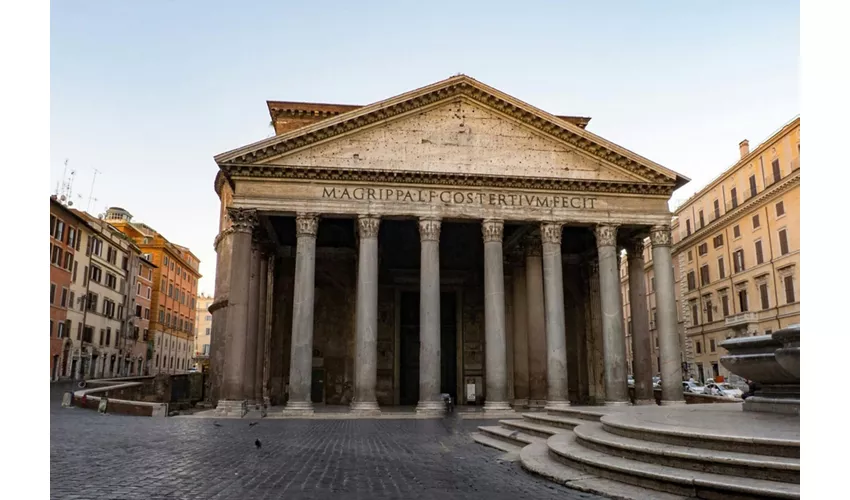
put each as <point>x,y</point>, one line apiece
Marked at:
<point>618,454</point>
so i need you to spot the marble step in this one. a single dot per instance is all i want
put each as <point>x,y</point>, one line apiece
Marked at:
<point>515,437</point>
<point>631,427</point>
<point>566,449</point>
<point>492,442</point>
<point>593,435</point>
<point>535,458</point>
<point>552,420</point>
<point>539,430</point>
<point>577,413</point>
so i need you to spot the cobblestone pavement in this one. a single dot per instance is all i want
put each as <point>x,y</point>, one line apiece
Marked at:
<point>95,457</point>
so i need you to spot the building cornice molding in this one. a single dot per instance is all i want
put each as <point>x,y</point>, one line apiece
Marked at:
<point>758,200</point>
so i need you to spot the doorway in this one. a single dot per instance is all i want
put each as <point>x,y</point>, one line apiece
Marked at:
<point>409,346</point>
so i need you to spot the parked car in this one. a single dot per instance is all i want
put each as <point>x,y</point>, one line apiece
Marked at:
<point>693,387</point>
<point>723,389</point>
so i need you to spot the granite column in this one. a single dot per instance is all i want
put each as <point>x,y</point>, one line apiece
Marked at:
<point>262,302</point>
<point>495,342</point>
<point>641,341</point>
<point>553,298</point>
<point>366,334</point>
<point>613,338</point>
<point>249,378</point>
<point>535,311</point>
<point>430,400</point>
<point>520,336</point>
<point>665,307</point>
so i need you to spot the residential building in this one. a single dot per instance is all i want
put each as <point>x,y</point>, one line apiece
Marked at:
<point>64,244</point>
<point>173,297</point>
<point>738,248</point>
<point>203,329</point>
<point>142,350</point>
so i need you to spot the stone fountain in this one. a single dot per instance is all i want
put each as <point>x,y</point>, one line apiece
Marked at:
<point>773,362</point>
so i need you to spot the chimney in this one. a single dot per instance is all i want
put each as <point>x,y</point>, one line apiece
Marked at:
<point>744,146</point>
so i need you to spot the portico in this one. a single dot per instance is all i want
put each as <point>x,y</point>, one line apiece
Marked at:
<point>452,239</point>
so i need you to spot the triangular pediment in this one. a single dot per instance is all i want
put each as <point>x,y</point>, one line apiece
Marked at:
<point>457,126</point>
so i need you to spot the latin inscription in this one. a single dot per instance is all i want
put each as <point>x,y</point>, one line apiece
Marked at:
<point>431,196</point>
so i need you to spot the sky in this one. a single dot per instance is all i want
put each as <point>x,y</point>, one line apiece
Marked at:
<point>146,93</point>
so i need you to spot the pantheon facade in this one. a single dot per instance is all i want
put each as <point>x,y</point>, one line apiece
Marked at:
<point>449,240</point>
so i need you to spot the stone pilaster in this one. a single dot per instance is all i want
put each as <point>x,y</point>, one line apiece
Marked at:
<point>613,338</point>
<point>553,297</point>
<point>430,400</point>
<point>366,335</point>
<point>535,311</point>
<point>301,359</point>
<point>232,401</point>
<point>494,318</point>
<point>665,310</point>
<point>641,340</point>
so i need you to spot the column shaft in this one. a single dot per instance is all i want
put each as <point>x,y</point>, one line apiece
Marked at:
<point>641,342</point>
<point>366,335</point>
<point>260,353</point>
<point>496,370</point>
<point>556,340</point>
<point>249,377</point>
<point>301,359</point>
<point>535,311</point>
<point>665,310</point>
<point>520,337</point>
<point>613,338</point>
<point>430,400</point>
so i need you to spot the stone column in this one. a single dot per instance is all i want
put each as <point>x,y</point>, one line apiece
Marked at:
<point>595,352</point>
<point>267,330</point>
<point>535,312</point>
<point>553,297</point>
<point>665,310</point>
<point>430,400</point>
<point>232,401</point>
<point>249,380</point>
<point>495,356</point>
<point>613,338</point>
<point>260,352</point>
<point>520,337</point>
<point>641,340</point>
<point>301,349</point>
<point>366,336</point>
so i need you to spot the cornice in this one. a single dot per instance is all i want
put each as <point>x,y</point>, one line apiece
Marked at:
<point>757,200</point>
<point>441,91</point>
<point>338,174</point>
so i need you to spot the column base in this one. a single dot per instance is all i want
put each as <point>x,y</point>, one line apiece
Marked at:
<point>520,403</point>
<point>672,402</point>
<point>231,408</point>
<point>617,403</point>
<point>430,408</point>
<point>365,408</point>
<point>298,408</point>
<point>497,407</point>
<point>536,404</point>
<point>645,402</point>
<point>557,405</point>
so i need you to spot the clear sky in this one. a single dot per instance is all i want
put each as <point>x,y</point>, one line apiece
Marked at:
<point>148,92</point>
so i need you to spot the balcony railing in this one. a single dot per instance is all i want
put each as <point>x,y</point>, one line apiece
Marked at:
<point>741,319</point>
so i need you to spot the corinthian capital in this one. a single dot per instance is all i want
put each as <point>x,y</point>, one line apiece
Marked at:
<point>532,245</point>
<point>492,230</point>
<point>550,232</point>
<point>606,235</point>
<point>306,224</point>
<point>660,236</point>
<point>635,248</point>
<point>429,229</point>
<point>242,220</point>
<point>368,226</point>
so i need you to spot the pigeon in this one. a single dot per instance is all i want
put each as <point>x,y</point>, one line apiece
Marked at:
<point>216,424</point>
<point>258,444</point>
<point>252,424</point>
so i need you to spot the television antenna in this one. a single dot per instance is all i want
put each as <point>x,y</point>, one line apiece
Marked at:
<point>91,193</point>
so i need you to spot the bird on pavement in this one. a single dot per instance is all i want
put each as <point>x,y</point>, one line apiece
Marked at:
<point>216,424</point>
<point>252,424</point>
<point>258,444</point>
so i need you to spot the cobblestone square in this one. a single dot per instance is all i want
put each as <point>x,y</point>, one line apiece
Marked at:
<point>95,456</point>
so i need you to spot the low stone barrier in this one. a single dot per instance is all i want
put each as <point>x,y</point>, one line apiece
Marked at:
<point>691,398</point>
<point>140,396</point>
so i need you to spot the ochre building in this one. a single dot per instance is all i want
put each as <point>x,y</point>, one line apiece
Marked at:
<point>449,240</point>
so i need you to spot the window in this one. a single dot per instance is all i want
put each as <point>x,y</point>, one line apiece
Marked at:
<point>777,174</point>
<point>111,281</point>
<point>765,302</point>
<point>60,329</point>
<point>52,229</point>
<point>72,235</point>
<point>74,273</point>
<point>654,318</point>
<point>52,295</point>
<point>721,268</point>
<point>124,262</point>
<point>148,292</point>
<point>651,289</point>
<point>63,302</point>
<point>108,336</point>
<point>724,303</point>
<point>789,290</point>
<point>712,345</point>
<point>704,277</point>
<point>168,318</point>
<point>79,331</point>
<point>718,241</point>
<point>688,227</point>
<point>709,313</point>
<point>692,281</point>
<point>138,288</point>
<point>690,255</point>
<point>780,209</point>
<point>102,333</point>
<point>703,249</point>
<point>208,317</point>
<point>756,221</point>
<point>147,313</point>
<point>161,316</point>
<point>92,302</point>
<point>783,242</point>
<point>733,193</point>
<point>96,273</point>
<point>59,230</point>
<point>208,332</point>
<point>71,300</point>
<point>138,311</point>
<point>736,231</point>
<point>742,300</point>
<point>97,246</point>
<point>694,314</point>
<point>145,335</point>
<point>56,258</point>
<point>753,189</point>
<point>170,290</point>
<point>701,220</point>
<point>716,209</point>
<point>69,261</point>
<point>111,254</point>
<point>759,253</point>
<point>738,260</point>
<point>88,334</point>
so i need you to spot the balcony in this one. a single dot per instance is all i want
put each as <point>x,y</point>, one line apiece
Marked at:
<point>742,319</point>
